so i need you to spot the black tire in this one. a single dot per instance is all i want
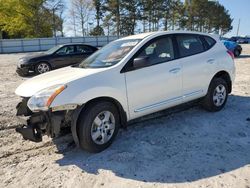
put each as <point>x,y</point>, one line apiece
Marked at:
<point>208,102</point>
<point>42,63</point>
<point>86,120</point>
<point>236,53</point>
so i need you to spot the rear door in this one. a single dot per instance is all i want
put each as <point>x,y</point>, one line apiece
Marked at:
<point>82,52</point>
<point>198,65</point>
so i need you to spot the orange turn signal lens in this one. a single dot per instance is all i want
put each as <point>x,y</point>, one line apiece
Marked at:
<point>53,96</point>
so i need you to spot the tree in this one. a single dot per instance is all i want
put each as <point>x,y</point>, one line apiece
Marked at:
<point>56,8</point>
<point>206,16</point>
<point>113,7</point>
<point>128,18</point>
<point>82,11</point>
<point>26,18</point>
<point>97,31</point>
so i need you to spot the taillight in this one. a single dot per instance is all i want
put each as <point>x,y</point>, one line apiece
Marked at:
<point>231,54</point>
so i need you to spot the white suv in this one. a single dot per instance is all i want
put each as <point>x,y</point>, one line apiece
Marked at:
<point>129,78</point>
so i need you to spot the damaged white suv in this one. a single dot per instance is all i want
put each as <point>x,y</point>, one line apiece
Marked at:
<point>129,78</point>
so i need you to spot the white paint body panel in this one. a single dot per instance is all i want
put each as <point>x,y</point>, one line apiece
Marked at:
<point>141,91</point>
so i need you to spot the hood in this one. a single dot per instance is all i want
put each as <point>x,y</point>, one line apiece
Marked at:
<point>60,76</point>
<point>34,55</point>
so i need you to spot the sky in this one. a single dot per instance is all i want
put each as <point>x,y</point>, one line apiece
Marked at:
<point>238,9</point>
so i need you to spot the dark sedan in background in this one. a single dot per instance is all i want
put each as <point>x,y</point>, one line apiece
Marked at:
<point>56,57</point>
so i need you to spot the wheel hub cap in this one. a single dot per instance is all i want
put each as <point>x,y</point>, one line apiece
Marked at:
<point>103,127</point>
<point>42,68</point>
<point>219,95</point>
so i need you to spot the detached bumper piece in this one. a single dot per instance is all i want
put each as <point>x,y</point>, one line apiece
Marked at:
<point>30,133</point>
<point>32,129</point>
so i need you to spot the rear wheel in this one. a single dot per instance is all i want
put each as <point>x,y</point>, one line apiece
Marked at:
<point>236,53</point>
<point>217,94</point>
<point>97,126</point>
<point>42,68</point>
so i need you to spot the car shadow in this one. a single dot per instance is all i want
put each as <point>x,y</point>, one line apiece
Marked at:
<point>175,147</point>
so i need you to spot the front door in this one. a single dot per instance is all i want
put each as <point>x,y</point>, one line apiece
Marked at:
<point>158,84</point>
<point>64,56</point>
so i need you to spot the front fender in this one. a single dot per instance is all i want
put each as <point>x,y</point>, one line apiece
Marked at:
<point>81,91</point>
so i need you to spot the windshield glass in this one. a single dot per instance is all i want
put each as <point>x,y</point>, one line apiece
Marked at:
<point>52,50</point>
<point>110,54</point>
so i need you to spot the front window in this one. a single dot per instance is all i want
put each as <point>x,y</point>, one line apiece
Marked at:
<point>66,50</point>
<point>158,51</point>
<point>53,50</point>
<point>110,55</point>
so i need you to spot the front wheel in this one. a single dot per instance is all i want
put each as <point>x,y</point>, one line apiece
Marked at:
<point>97,126</point>
<point>42,67</point>
<point>217,94</point>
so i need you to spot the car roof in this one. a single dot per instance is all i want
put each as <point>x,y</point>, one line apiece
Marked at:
<point>158,33</point>
<point>74,44</point>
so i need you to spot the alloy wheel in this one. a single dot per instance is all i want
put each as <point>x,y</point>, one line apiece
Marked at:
<point>219,95</point>
<point>103,127</point>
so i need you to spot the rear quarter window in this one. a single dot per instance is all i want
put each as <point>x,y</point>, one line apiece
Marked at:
<point>210,41</point>
<point>189,45</point>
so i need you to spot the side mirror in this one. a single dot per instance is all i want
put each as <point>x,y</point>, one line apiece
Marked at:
<point>140,62</point>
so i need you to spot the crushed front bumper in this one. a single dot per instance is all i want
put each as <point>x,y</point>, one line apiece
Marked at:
<point>35,125</point>
<point>23,71</point>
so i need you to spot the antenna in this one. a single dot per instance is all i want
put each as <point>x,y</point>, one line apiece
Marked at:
<point>238,28</point>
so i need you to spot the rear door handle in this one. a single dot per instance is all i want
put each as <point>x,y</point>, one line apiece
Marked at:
<point>175,70</point>
<point>211,61</point>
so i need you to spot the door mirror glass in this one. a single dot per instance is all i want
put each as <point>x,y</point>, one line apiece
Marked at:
<point>140,62</point>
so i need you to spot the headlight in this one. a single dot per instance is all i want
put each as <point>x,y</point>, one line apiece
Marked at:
<point>21,62</point>
<point>43,99</point>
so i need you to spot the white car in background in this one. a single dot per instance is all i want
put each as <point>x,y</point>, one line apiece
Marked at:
<point>129,78</point>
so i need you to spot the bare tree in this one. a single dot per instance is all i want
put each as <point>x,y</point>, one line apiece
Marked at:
<point>81,9</point>
<point>72,20</point>
<point>56,8</point>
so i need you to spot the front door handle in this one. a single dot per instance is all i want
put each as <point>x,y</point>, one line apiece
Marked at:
<point>211,61</point>
<point>175,70</point>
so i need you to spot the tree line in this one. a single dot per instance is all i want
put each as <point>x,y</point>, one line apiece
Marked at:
<point>45,18</point>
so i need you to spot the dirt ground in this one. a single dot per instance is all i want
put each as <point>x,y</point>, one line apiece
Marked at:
<point>191,148</point>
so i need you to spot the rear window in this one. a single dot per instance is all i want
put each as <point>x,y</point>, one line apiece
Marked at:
<point>210,41</point>
<point>189,45</point>
<point>83,49</point>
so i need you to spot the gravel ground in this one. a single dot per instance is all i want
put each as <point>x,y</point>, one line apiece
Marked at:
<point>191,148</point>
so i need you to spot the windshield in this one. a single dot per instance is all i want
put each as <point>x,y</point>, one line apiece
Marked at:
<point>110,54</point>
<point>52,50</point>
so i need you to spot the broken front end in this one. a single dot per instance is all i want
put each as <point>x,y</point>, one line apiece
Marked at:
<point>37,124</point>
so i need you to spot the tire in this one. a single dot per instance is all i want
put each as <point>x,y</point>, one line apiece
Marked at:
<point>236,53</point>
<point>42,67</point>
<point>88,130</point>
<point>212,102</point>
